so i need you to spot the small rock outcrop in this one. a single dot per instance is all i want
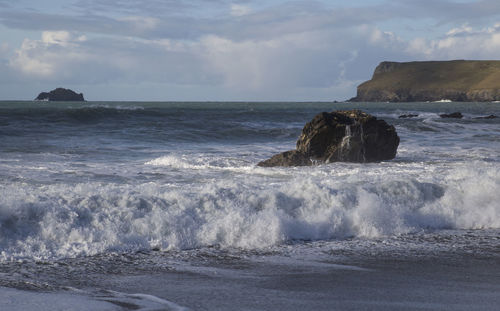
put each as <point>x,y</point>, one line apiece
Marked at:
<point>60,94</point>
<point>407,116</point>
<point>491,116</point>
<point>453,115</point>
<point>348,136</point>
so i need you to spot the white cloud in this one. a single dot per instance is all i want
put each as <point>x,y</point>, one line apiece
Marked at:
<point>26,63</point>
<point>317,61</point>
<point>69,57</point>
<point>419,46</point>
<point>279,68</point>
<point>241,64</point>
<point>49,55</point>
<point>465,29</point>
<point>240,10</point>
<point>56,37</point>
<point>460,43</point>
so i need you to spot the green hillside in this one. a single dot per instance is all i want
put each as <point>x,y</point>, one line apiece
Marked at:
<point>459,80</point>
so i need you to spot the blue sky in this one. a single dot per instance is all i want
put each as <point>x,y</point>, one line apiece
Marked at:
<point>209,50</point>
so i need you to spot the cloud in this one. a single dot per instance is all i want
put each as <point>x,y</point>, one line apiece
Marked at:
<point>151,7</point>
<point>273,67</point>
<point>225,50</point>
<point>240,10</point>
<point>191,20</point>
<point>43,58</point>
<point>445,11</point>
<point>141,24</point>
<point>64,56</point>
<point>5,4</point>
<point>460,43</point>
<point>187,20</point>
<point>298,66</point>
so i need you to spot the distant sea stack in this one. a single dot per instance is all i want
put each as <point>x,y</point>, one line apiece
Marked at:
<point>457,80</point>
<point>60,94</point>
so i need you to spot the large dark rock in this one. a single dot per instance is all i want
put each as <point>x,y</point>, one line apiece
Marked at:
<point>60,94</point>
<point>349,136</point>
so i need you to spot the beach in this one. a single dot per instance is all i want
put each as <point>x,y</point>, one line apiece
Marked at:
<point>161,206</point>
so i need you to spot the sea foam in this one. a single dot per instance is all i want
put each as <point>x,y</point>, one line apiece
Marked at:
<point>319,203</point>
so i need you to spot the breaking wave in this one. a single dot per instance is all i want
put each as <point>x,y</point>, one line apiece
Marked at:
<point>64,220</point>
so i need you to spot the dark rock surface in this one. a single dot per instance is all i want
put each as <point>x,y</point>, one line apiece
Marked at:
<point>491,116</point>
<point>406,116</point>
<point>455,115</point>
<point>349,136</point>
<point>287,158</point>
<point>60,94</point>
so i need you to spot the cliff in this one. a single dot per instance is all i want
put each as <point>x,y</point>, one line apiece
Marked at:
<point>457,80</point>
<point>60,94</point>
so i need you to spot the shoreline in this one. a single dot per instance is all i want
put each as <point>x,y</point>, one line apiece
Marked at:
<point>380,285</point>
<point>315,276</point>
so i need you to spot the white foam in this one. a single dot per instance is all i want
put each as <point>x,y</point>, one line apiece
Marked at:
<point>178,162</point>
<point>109,106</point>
<point>200,163</point>
<point>252,211</point>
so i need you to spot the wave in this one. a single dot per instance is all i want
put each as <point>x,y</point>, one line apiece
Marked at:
<point>201,123</point>
<point>150,124</point>
<point>59,220</point>
<point>201,162</point>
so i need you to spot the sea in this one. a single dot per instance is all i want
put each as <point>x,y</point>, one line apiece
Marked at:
<point>161,206</point>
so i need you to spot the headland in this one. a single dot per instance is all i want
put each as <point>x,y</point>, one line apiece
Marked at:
<point>457,80</point>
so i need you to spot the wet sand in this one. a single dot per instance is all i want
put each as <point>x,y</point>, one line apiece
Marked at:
<point>311,277</point>
<point>430,284</point>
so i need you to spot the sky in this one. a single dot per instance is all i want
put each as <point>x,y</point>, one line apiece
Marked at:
<point>218,50</point>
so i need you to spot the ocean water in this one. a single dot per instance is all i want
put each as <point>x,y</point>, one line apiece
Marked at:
<point>104,202</point>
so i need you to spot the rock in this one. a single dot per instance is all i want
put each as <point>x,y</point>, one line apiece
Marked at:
<point>455,115</point>
<point>60,94</point>
<point>287,158</point>
<point>491,116</point>
<point>405,116</point>
<point>457,80</point>
<point>349,136</point>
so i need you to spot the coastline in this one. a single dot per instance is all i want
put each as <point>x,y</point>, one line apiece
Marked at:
<point>130,206</point>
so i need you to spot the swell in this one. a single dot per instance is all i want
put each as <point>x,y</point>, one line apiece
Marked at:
<point>148,124</point>
<point>200,122</point>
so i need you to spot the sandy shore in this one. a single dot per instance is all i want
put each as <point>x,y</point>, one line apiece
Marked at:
<point>346,279</point>
<point>384,285</point>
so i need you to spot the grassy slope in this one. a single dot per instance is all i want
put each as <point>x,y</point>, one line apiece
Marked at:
<point>459,75</point>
